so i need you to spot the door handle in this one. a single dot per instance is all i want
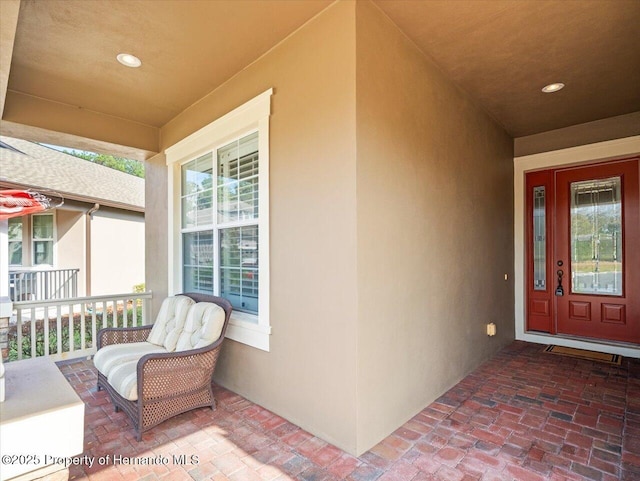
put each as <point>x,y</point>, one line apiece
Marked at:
<point>559,289</point>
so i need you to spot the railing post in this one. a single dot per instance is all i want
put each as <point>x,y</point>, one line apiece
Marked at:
<point>72,346</point>
<point>12,286</point>
<point>83,334</point>
<point>19,334</point>
<point>46,331</point>
<point>4,338</point>
<point>146,311</point>
<point>59,330</point>
<point>33,327</point>
<point>94,322</point>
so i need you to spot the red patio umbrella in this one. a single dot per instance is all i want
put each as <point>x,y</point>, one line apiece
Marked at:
<point>14,203</point>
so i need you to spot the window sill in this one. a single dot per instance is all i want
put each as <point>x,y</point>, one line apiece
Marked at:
<point>244,328</point>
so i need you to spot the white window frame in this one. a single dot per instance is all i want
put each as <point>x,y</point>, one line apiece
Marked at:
<point>252,116</point>
<point>21,241</point>
<point>33,240</point>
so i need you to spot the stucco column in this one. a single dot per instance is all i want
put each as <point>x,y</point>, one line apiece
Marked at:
<point>5,302</point>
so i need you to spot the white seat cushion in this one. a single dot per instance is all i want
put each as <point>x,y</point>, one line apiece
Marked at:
<point>115,354</point>
<point>124,379</point>
<point>170,321</point>
<point>202,327</point>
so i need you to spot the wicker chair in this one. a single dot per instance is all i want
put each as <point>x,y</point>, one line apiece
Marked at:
<point>168,383</point>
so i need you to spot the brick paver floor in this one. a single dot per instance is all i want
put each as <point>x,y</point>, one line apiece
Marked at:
<point>523,415</point>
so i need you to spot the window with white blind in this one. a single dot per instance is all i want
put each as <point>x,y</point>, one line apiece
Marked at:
<point>235,225</point>
<point>42,238</point>
<point>219,207</point>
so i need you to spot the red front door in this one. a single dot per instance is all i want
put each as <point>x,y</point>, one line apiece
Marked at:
<point>584,251</point>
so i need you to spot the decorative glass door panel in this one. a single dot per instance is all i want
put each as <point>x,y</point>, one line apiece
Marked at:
<point>583,251</point>
<point>596,237</point>
<point>540,283</point>
<point>597,231</point>
<point>539,239</point>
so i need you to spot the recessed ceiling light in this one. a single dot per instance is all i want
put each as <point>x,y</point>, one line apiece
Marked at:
<point>547,89</point>
<point>129,60</point>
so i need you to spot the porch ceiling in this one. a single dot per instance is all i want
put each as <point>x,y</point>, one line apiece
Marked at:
<point>60,73</point>
<point>502,52</point>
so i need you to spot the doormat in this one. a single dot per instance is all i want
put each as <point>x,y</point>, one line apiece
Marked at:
<point>582,354</point>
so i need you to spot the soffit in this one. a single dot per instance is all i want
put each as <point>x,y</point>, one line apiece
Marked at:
<point>502,52</point>
<point>65,51</point>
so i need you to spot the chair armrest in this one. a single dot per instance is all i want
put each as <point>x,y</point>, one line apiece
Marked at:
<point>122,335</point>
<point>169,374</point>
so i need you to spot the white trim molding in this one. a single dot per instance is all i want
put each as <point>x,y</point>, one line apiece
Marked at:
<point>243,328</point>
<point>598,152</point>
<point>222,129</point>
<point>250,329</point>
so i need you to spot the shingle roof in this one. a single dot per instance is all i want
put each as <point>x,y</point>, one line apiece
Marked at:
<point>25,164</point>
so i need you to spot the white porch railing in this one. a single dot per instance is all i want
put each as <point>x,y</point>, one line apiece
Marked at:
<point>67,328</point>
<point>38,285</point>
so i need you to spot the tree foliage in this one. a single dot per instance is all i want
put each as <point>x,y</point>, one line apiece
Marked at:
<point>129,166</point>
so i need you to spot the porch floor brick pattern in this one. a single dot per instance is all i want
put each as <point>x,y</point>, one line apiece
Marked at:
<point>523,415</point>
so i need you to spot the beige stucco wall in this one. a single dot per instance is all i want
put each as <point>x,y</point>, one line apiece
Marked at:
<point>309,374</point>
<point>156,230</point>
<point>70,245</point>
<point>435,210</point>
<point>114,259</point>
<point>389,241</point>
<point>117,251</point>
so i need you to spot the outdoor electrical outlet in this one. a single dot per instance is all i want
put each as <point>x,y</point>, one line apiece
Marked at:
<point>491,329</point>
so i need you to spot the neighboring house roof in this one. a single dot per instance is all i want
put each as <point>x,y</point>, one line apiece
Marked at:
<point>27,164</point>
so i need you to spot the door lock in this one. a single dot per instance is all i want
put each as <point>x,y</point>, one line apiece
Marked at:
<point>560,289</point>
